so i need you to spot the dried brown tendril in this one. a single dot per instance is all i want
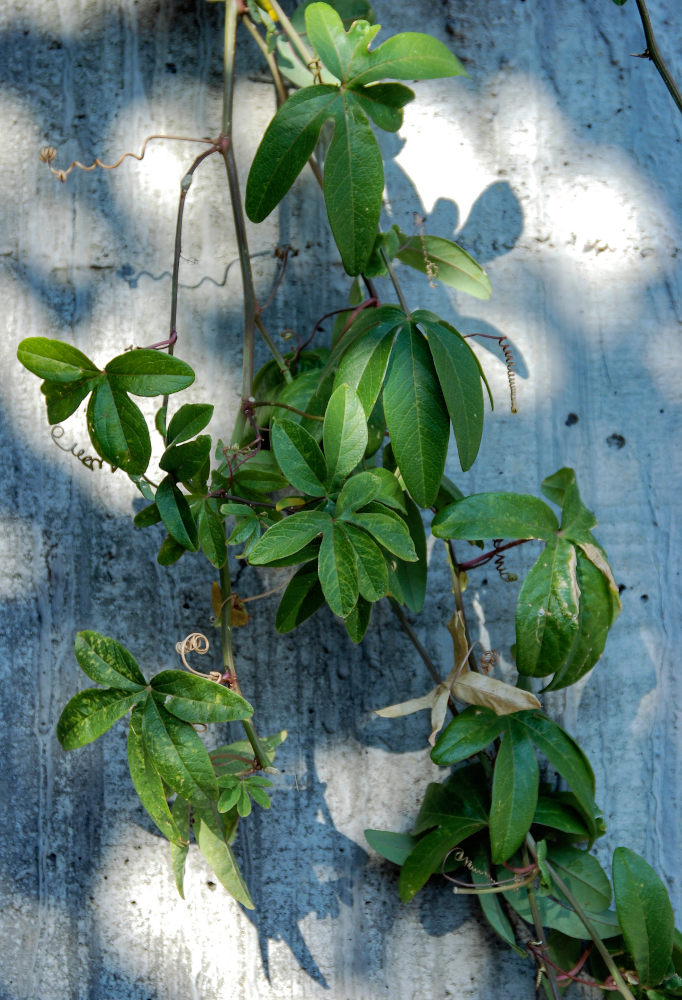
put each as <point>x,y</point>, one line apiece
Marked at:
<point>431,268</point>
<point>195,642</point>
<point>48,154</point>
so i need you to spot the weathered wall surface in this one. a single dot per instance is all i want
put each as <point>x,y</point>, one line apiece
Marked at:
<point>558,163</point>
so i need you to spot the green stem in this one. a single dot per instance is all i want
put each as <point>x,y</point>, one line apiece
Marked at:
<point>580,913</point>
<point>276,353</point>
<point>394,280</point>
<point>414,639</point>
<point>545,970</point>
<point>292,34</point>
<point>456,571</point>
<point>260,753</point>
<point>654,53</point>
<point>269,58</point>
<point>227,151</point>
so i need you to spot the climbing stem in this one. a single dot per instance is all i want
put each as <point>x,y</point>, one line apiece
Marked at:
<point>394,280</point>
<point>623,987</point>
<point>457,573</point>
<point>259,752</point>
<point>295,39</point>
<point>654,54</point>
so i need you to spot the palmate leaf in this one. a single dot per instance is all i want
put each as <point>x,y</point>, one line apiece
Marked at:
<point>63,398</point>
<point>357,622</point>
<point>353,169</point>
<point>412,575</point>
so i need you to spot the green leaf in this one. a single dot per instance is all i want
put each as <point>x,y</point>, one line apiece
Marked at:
<point>416,416</point>
<point>301,599</point>
<point>412,576</point>
<point>446,262</point>
<point>338,571</point>
<point>107,662</point>
<point>395,847</point>
<point>189,421</point>
<point>259,475</point>
<point>490,902</point>
<point>559,916</point>
<point>576,520</point>
<point>583,875</point>
<point>645,915</point>
<point>286,147</point>
<point>364,365</point>
<point>429,854</point>
<point>344,434</point>
<point>220,857</point>
<point>496,515</point>
<point>353,184</point>
<point>146,517</point>
<point>289,536</point>
<point>336,47</point>
<point>547,611</point>
<point>515,791</point>
<point>178,755</point>
<point>594,621</point>
<point>170,552</point>
<point>371,564</point>
<point>408,56</point>
<point>55,361</point>
<point>460,795</point>
<point>90,713</point>
<point>199,699</point>
<point>566,756</point>
<point>148,784</point>
<point>144,372</point>
<point>299,457</point>
<point>357,622</point>
<point>118,430</point>
<point>460,382</point>
<point>388,529</point>
<point>384,103</point>
<point>180,813</point>
<point>64,398</point>
<point>212,535</point>
<point>357,492</point>
<point>559,816</point>
<point>472,730</point>
<point>176,515</point>
<point>186,460</point>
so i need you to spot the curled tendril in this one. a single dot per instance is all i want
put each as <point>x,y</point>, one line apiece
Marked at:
<point>519,879</point>
<point>90,462</point>
<point>488,659</point>
<point>48,155</point>
<point>195,642</point>
<point>509,361</point>
<point>431,268</point>
<point>500,565</point>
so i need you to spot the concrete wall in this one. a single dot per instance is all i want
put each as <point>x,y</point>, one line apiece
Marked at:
<point>558,164</point>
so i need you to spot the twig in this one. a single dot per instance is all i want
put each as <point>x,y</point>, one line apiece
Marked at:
<point>487,556</point>
<point>414,639</point>
<point>653,53</point>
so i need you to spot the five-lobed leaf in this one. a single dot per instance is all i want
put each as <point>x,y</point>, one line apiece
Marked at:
<point>55,361</point>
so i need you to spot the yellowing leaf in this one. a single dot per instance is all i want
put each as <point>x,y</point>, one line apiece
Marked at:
<point>478,689</point>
